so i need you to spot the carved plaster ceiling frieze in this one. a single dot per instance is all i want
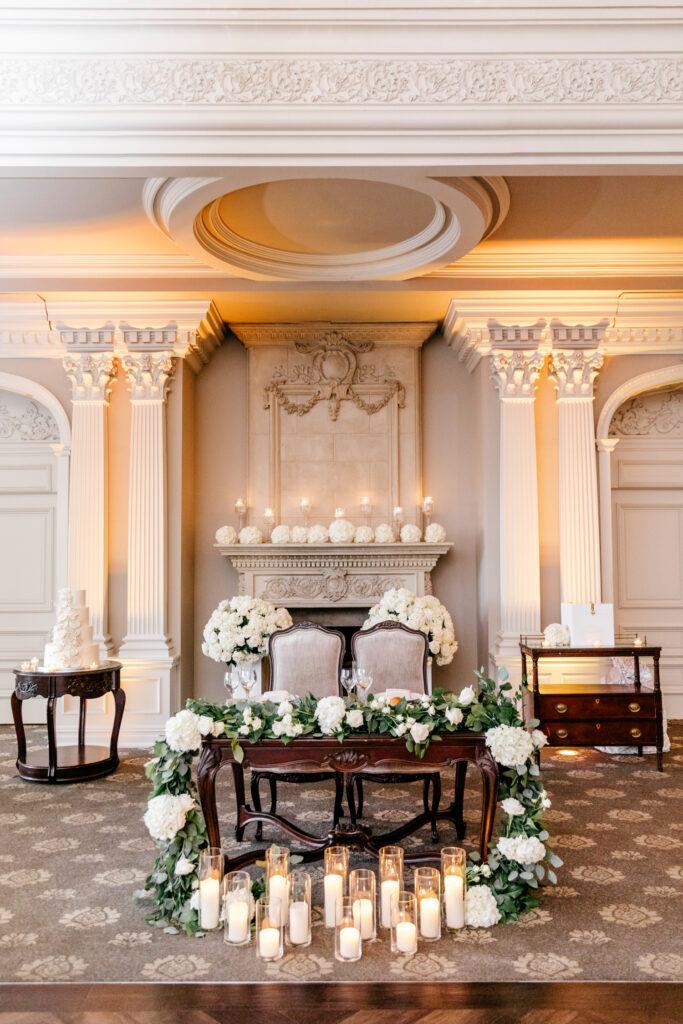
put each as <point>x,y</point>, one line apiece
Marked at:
<point>334,376</point>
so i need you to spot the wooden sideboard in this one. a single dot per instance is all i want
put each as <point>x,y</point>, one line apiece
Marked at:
<point>592,714</point>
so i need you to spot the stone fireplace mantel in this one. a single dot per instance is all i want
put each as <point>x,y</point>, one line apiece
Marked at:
<point>332,575</point>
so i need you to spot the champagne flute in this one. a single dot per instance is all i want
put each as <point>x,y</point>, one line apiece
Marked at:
<point>248,679</point>
<point>347,680</point>
<point>363,680</point>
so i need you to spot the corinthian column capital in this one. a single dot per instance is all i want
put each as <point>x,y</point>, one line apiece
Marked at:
<point>574,371</point>
<point>149,375</point>
<point>91,375</point>
<point>515,372</point>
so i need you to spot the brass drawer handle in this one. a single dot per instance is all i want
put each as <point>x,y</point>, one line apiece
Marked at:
<point>636,733</point>
<point>597,725</point>
<point>561,708</point>
<point>635,708</point>
<point>562,734</point>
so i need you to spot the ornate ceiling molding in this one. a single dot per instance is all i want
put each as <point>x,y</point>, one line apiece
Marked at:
<point>170,81</point>
<point>411,334</point>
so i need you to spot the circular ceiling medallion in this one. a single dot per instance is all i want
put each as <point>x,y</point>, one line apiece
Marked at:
<point>327,229</point>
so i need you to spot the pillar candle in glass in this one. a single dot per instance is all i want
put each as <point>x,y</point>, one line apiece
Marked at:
<point>334,882</point>
<point>269,930</point>
<point>237,908</point>
<point>277,876</point>
<point>390,880</point>
<point>404,924</point>
<point>210,874</point>
<point>348,942</point>
<point>453,869</point>
<point>428,896</point>
<point>299,916</point>
<point>362,890</point>
<point>428,509</point>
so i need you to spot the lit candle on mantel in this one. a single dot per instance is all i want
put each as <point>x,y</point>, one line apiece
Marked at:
<point>638,641</point>
<point>339,513</point>
<point>365,506</point>
<point>428,506</point>
<point>240,507</point>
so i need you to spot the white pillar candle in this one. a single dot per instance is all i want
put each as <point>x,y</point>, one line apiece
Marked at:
<point>454,898</point>
<point>389,888</point>
<point>279,889</point>
<point>269,943</point>
<point>238,921</point>
<point>349,942</point>
<point>334,890</point>
<point>298,923</point>
<point>209,903</point>
<point>362,917</point>
<point>406,937</point>
<point>429,917</point>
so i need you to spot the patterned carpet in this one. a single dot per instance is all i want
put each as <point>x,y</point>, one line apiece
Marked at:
<point>70,857</point>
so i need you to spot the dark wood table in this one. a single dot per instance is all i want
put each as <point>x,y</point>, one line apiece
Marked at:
<point>68,763</point>
<point>353,755</point>
<point>598,714</point>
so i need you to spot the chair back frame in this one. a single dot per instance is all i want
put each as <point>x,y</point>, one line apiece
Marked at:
<point>391,624</point>
<point>298,627</point>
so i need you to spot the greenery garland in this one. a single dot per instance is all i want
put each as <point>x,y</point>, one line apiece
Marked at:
<point>517,861</point>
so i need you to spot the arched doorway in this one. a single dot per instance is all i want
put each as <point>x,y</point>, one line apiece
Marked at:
<point>34,493</point>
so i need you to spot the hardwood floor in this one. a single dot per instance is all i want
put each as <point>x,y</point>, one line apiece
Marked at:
<point>530,1003</point>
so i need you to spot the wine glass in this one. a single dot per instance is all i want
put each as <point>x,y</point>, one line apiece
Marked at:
<point>248,679</point>
<point>347,680</point>
<point>363,680</point>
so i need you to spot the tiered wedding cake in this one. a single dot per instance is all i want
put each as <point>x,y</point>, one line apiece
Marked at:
<point>72,644</point>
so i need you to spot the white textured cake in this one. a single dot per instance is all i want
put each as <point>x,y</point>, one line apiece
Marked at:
<point>72,644</point>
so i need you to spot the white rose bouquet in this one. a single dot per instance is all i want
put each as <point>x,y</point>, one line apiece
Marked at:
<point>239,629</point>
<point>424,613</point>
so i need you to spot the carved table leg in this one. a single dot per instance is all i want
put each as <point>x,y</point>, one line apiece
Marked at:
<point>360,796</point>
<point>459,797</point>
<point>17,715</point>
<point>256,801</point>
<point>207,769</point>
<point>81,722</point>
<point>436,800</point>
<point>238,780</point>
<point>51,740</point>
<point>338,799</point>
<point>119,705</point>
<point>351,797</point>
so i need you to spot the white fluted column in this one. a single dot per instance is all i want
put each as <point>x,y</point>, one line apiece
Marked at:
<point>606,446</point>
<point>91,376</point>
<point>574,372</point>
<point>146,637</point>
<point>515,373</point>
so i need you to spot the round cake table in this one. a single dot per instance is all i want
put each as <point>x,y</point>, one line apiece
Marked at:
<point>68,763</point>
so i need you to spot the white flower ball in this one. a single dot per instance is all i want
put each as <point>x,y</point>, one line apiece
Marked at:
<point>183,732</point>
<point>557,635</point>
<point>299,535</point>
<point>510,745</point>
<point>481,909</point>
<point>512,807</point>
<point>329,714</point>
<point>165,815</point>
<point>411,534</point>
<point>318,534</point>
<point>341,531</point>
<point>384,534</point>
<point>521,849</point>
<point>281,535</point>
<point>364,535</point>
<point>251,535</point>
<point>435,534</point>
<point>226,535</point>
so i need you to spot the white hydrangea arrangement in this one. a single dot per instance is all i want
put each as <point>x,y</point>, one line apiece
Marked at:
<point>281,534</point>
<point>424,613</point>
<point>364,535</point>
<point>435,534</point>
<point>299,535</point>
<point>341,531</point>
<point>411,534</point>
<point>318,534</point>
<point>500,889</point>
<point>239,629</point>
<point>226,535</point>
<point>250,535</point>
<point>384,534</point>
<point>557,635</point>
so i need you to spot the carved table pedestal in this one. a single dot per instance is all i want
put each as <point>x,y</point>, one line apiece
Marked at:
<point>76,763</point>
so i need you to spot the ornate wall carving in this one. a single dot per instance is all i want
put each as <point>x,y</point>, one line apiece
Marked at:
<point>23,419</point>
<point>651,414</point>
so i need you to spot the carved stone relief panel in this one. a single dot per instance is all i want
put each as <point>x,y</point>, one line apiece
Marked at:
<point>653,414</point>
<point>24,419</point>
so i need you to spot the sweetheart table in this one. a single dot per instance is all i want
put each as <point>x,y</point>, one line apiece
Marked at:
<point>353,755</point>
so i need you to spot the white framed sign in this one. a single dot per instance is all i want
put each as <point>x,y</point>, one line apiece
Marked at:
<point>589,625</point>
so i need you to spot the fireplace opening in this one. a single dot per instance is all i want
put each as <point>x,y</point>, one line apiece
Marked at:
<point>347,620</point>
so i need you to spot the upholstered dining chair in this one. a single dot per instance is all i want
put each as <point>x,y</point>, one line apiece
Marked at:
<point>305,658</point>
<point>396,657</point>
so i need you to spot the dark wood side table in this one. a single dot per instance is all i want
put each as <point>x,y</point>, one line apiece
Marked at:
<point>592,714</point>
<point>68,764</point>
